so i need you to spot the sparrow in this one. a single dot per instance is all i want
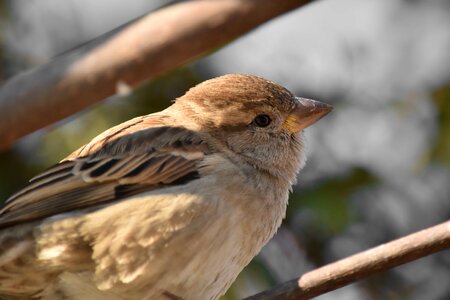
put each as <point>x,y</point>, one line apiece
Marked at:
<point>170,205</point>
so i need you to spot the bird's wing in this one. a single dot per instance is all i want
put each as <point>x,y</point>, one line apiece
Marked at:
<point>136,156</point>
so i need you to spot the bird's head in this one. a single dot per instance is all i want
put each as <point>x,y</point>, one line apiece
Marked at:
<point>255,118</point>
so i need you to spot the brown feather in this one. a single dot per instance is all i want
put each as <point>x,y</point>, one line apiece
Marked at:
<point>122,162</point>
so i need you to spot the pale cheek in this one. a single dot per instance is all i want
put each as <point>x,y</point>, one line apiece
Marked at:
<point>259,145</point>
<point>241,143</point>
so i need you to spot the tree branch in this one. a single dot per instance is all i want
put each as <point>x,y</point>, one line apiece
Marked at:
<point>361,265</point>
<point>148,47</point>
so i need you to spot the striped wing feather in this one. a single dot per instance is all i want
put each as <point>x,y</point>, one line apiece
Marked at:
<point>129,164</point>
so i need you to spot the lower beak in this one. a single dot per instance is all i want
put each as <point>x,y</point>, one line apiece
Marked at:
<point>306,113</point>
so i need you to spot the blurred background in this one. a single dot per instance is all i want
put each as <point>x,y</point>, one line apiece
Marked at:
<point>378,167</point>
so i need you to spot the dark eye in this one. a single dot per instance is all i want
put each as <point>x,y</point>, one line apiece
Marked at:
<point>262,120</point>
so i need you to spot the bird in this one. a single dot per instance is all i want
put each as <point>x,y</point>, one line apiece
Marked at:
<point>170,205</point>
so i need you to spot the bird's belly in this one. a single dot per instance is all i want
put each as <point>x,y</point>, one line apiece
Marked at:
<point>216,257</point>
<point>203,267</point>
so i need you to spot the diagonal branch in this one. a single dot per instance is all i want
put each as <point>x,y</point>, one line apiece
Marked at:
<point>146,48</point>
<point>361,265</point>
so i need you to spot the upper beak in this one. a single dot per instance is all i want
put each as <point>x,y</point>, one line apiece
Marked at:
<point>306,113</point>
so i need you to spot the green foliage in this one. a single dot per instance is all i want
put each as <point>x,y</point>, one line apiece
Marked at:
<point>256,278</point>
<point>329,200</point>
<point>441,151</point>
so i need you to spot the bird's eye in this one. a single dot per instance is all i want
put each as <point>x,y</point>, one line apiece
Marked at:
<point>262,120</point>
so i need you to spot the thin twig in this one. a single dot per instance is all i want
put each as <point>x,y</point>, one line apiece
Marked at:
<point>146,48</point>
<point>361,265</point>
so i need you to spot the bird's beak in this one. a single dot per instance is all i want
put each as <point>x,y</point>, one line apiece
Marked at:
<point>305,113</point>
